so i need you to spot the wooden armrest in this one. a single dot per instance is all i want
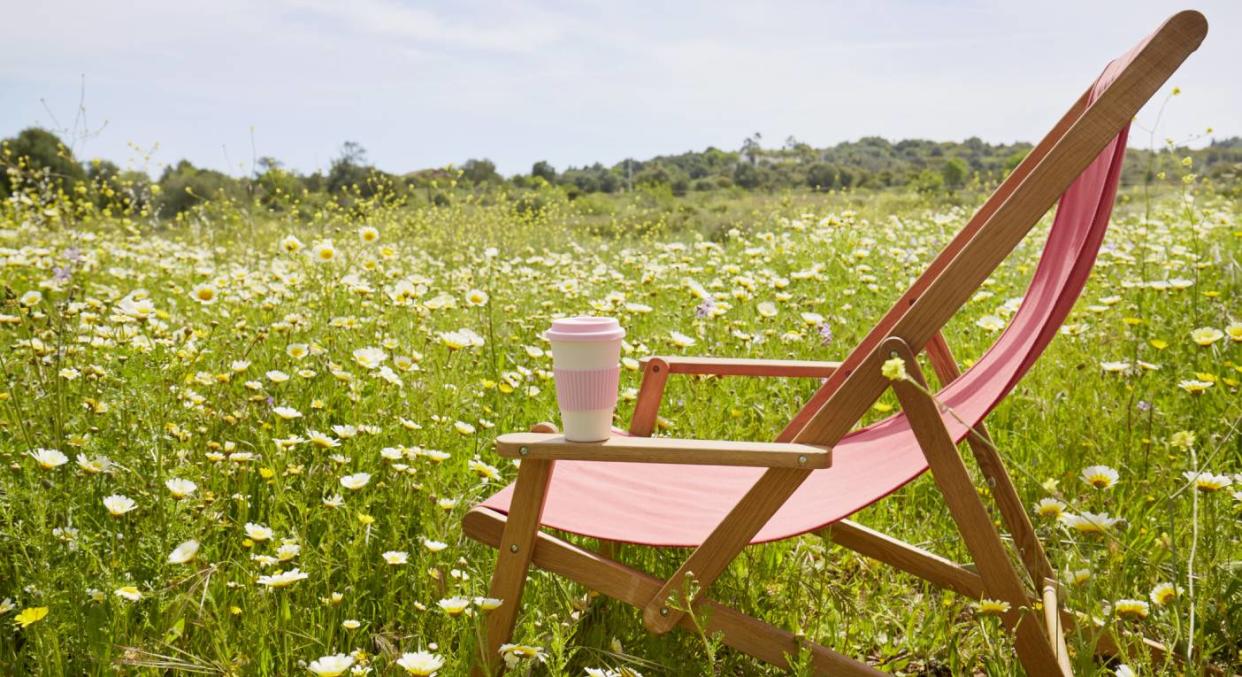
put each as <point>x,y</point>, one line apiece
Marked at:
<point>740,366</point>
<point>665,450</point>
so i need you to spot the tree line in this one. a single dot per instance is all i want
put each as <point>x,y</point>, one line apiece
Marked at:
<point>37,159</point>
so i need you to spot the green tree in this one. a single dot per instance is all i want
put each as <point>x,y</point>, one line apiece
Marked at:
<point>183,186</point>
<point>746,176</point>
<point>821,176</point>
<point>544,170</point>
<point>348,169</point>
<point>954,172</point>
<point>480,172</point>
<point>39,149</point>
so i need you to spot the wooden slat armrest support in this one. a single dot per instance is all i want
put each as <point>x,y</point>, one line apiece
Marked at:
<point>741,366</point>
<point>665,450</point>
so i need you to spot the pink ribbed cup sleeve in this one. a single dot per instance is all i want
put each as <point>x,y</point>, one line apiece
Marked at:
<point>587,389</point>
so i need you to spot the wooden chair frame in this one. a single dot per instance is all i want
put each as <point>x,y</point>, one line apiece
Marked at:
<point>912,326</point>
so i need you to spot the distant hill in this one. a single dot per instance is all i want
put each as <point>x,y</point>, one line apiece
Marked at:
<point>36,161</point>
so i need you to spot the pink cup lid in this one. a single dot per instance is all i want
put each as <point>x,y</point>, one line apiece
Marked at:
<point>585,329</point>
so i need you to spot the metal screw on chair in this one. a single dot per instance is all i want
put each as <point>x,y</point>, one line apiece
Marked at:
<point>513,548</point>
<point>663,611</point>
<point>802,460</point>
<point>522,451</point>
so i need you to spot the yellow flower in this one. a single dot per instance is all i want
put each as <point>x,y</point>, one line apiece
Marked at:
<point>894,369</point>
<point>291,244</point>
<point>991,607</point>
<point>1099,476</point>
<point>515,653</point>
<point>1050,508</point>
<point>205,294</point>
<point>454,606</point>
<point>1089,523</point>
<point>1206,481</point>
<point>30,615</point>
<point>1193,386</point>
<point>324,251</point>
<point>1206,336</point>
<point>1234,330</point>
<point>1131,608</point>
<point>1163,593</point>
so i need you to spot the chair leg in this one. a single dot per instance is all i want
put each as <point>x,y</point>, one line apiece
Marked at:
<point>515,550</point>
<point>1000,579</point>
<point>1030,550</point>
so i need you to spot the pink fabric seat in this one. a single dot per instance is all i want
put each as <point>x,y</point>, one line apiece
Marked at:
<point>679,505</point>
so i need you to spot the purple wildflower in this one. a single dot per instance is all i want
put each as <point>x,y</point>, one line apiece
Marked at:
<point>1144,405</point>
<point>825,333</point>
<point>705,308</point>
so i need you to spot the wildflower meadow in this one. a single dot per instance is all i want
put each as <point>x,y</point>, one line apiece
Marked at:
<point>242,442</point>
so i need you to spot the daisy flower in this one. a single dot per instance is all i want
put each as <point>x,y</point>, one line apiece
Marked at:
<point>205,294</point>
<point>291,244</point>
<point>324,251</point>
<point>356,481</point>
<point>321,440</point>
<point>991,607</point>
<point>183,553</point>
<point>48,459</point>
<point>1050,508</point>
<point>118,504</point>
<point>282,579</point>
<point>421,663</point>
<point>1100,476</point>
<point>1163,593</point>
<point>1206,336</point>
<point>369,358</point>
<point>1206,481</point>
<point>454,606</point>
<point>257,532</point>
<point>180,488</point>
<point>681,340</point>
<point>396,557</point>
<point>331,666</point>
<point>1089,523</point>
<point>1135,609</point>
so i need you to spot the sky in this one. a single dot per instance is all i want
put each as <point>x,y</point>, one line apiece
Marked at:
<point>425,84</point>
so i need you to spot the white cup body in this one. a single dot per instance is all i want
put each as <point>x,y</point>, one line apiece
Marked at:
<point>587,374</point>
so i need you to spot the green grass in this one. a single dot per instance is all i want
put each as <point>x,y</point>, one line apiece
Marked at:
<point>180,389</point>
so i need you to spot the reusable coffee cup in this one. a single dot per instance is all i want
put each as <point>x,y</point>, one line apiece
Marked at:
<point>585,355</point>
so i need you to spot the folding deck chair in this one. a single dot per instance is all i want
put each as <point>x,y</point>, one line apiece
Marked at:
<point>719,496</point>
